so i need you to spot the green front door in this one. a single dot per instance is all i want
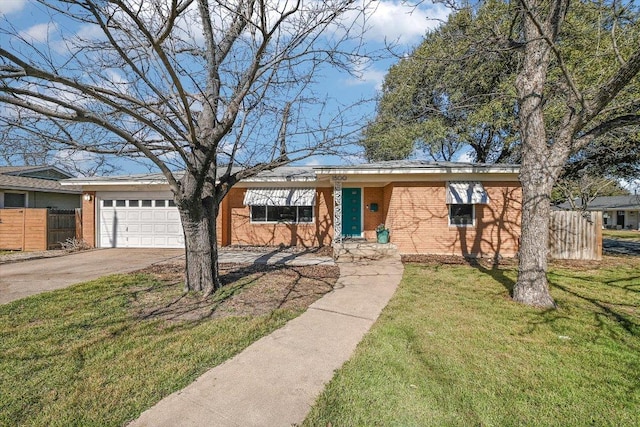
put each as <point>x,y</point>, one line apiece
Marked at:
<point>351,212</point>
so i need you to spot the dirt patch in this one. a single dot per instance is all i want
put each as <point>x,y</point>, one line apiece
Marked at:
<point>24,256</point>
<point>319,251</point>
<point>458,260</point>
<point>248,290</point>
<point>606,262</point>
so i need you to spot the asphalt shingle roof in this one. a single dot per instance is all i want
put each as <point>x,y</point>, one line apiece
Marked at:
<point>10,180</point>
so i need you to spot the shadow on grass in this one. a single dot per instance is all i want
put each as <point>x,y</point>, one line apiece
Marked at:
<point>608,307</point>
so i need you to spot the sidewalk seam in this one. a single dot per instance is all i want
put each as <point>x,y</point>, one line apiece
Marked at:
<point>341,313</point>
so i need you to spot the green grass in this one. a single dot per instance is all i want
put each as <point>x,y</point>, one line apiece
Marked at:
<point>451,349</point>
<point>621,234</point>
<point>83,356</point>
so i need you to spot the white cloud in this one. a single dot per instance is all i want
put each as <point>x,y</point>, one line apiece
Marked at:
<point>11,6</point>
<point>632,185</point>
<point>394,21</point>
<point>38,33</point>
<point>368,76</point>
<point>465,157</point>
<point>313,162</point>
<point>90,32</point>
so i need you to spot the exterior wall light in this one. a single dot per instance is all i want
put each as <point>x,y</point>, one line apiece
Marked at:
<point>87,197</point>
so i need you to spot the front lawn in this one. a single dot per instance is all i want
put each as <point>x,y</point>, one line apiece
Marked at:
<point>621,234</point>
<point>99,353</point>
<point>451,349</point>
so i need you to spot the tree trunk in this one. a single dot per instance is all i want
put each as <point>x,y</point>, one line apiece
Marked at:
<point>537,172</point>
<point>532,287</point>
<point>201,270</point>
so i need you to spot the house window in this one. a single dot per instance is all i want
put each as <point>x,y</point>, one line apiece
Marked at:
<point>462,215</point>
<point>288,214</point>
<point>15,200</point>
<point>273,205</point>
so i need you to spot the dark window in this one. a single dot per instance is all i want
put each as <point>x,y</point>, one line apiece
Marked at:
<point>160,203</point>
<point>290,214</point>
<point>146,203</point>
<point>258,213</point>
<point>15,200</point>
<point>120,203</point>
<point>107,203</point>
<point>134,203</point>
<point>171,203</point>
<point>281,213</point>
<point>461,215</point>
<point>305,214</point>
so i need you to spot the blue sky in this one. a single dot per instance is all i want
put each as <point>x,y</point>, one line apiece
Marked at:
<point>392,21</point>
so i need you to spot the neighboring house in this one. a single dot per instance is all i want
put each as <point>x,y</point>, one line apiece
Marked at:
<point>621,212</point>
<point>37,187</point>
<point>430,207</point>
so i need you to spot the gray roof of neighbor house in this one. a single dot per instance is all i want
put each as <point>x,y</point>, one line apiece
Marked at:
<point>629,202</point>
<point>35,178</point>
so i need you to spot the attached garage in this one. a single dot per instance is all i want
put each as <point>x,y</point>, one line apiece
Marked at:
<point>138,220</point>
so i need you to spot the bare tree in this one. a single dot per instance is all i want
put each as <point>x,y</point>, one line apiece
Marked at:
<point>221,90</point>
<point>25,149</point>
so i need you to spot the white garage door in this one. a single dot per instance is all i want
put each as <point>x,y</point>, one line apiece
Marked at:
<point>139,223</point>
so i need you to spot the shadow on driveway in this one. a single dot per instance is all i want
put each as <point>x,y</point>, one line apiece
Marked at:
<point>30,277</point>
<point>621,247</point>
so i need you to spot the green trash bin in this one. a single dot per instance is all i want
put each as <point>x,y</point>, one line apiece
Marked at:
<point>383,236</point>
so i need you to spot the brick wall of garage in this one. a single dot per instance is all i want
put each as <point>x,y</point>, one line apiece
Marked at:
<point>417,215</point>
<point>243,232</point>
<point>89,219</point>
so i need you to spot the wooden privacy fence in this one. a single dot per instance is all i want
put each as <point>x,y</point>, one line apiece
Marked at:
<point>575,235</point>
<point>30,229</point>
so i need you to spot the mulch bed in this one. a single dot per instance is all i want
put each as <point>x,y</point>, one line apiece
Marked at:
<point>248,290</point>
<point>607,261</point>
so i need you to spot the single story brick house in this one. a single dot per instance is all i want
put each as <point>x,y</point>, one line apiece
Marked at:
<point>429,207</point>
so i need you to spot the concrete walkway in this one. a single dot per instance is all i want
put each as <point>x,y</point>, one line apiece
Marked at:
<point>276,380</point>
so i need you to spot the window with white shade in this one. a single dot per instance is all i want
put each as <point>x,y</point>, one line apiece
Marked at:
<point>281,205</point>
<point>462,196</point>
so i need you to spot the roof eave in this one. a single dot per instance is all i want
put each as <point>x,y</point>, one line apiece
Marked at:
<point>414,170</point>
<point>42,190</point>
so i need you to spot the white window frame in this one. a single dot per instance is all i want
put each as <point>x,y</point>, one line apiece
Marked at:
<point>167,203</point>
<point>297,222</point>
<point>473,215</point>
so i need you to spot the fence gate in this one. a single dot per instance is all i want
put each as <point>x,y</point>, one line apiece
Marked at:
<point>575,235</point>
<point>61,225</point>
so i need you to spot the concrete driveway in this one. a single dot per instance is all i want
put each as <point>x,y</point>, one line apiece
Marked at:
<point>621,247</point>
<point>24,278</point>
